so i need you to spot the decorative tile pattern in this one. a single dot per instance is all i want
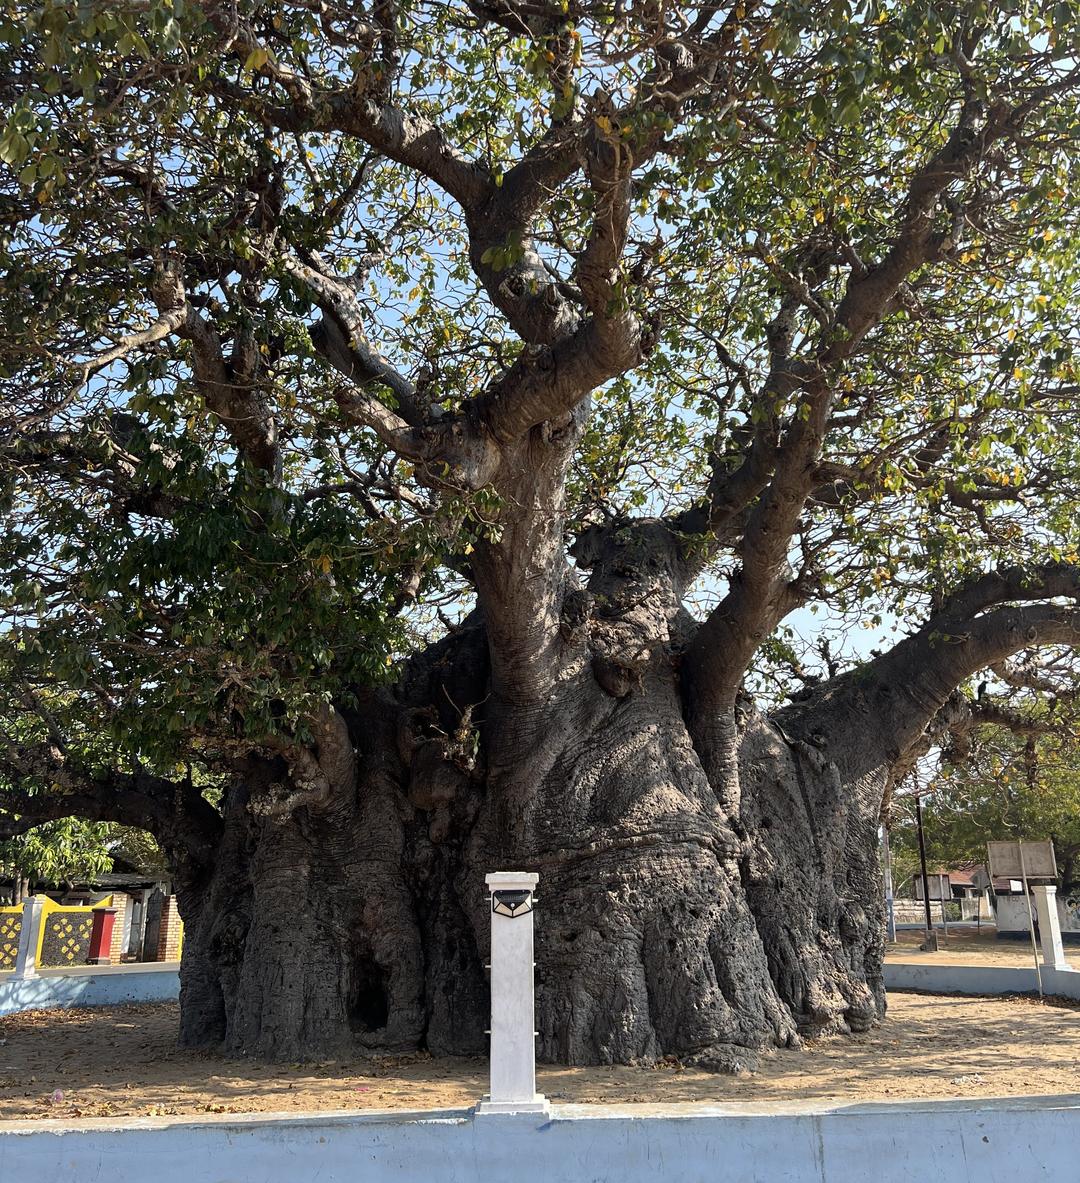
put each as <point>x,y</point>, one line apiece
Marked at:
<point>10,927</point>
<point>67,937</point>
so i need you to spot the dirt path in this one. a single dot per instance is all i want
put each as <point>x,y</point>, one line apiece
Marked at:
<point>969,946</point>
<point>122,1061</point>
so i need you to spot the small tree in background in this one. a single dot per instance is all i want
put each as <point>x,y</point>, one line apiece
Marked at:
<point>55,852</point>
<point>1010,786</point>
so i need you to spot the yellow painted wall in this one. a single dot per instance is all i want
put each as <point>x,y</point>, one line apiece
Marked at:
<point>11,924</point>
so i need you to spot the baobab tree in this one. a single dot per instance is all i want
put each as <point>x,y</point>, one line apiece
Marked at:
<point>420,421</point>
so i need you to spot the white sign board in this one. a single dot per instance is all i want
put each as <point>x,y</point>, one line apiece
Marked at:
<point>938,884</point>
<point>1038,860</point>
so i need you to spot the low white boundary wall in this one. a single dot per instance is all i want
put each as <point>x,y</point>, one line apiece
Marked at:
<point>115,985</point>
<point>935,978</point>
<point>1012,918</point>
<point>104,986</point>
<point>1008,1141</point>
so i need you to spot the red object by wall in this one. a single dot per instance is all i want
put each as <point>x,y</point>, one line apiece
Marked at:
<point>101,935</point>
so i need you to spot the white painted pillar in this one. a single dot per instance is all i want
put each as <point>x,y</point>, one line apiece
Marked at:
<point>1053,952</point>
<point>32,916</point>
<point>513,1034</point>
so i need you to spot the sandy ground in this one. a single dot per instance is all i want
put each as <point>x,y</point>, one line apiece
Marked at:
<point>969,946</point>
<point>123,1061</point>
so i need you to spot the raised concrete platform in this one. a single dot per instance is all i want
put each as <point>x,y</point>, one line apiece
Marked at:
<point>104,985</point>
<point>1002,1141</point>
<point>935,978</point>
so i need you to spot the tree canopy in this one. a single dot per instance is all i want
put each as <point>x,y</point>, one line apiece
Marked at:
<point>55,852</point>
<point>280,280</point>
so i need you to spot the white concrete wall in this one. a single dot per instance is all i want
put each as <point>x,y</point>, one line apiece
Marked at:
<point>935,978</point>
<point>100,986</point>
<point>1012,916</point>
<point>1009,1141</point>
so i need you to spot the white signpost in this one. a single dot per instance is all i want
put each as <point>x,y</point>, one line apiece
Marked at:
<point>1018,860</point>
<point>513,1034</point>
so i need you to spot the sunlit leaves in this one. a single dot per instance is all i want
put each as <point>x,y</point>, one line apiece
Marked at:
<point>58,852</point>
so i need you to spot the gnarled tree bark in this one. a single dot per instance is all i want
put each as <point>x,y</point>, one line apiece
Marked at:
<point>680,916</point>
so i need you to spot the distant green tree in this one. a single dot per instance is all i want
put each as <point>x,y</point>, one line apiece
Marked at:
<point>136,848</point>
<point>56,852</point>
<point>1007,786</point>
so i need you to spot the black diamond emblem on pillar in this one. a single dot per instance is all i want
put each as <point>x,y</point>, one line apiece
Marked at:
<point>511,903</point>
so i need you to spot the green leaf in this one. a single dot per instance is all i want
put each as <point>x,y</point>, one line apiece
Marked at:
<point>256,59</point>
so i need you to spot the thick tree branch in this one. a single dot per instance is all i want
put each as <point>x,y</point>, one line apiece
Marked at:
<point>230,391</point>
<point>895,697</point>
<point>175,813</point>
<point>761,590</point>
<point>341,338</point>
<point>535,414</point>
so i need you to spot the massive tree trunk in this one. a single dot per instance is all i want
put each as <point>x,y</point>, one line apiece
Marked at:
<point>677,916</point>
